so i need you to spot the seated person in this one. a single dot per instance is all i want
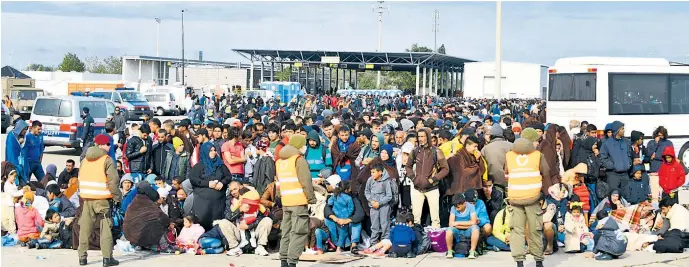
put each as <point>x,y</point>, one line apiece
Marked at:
<point>676,214</point>
<point>59,202</point>
<point>248,197</point>
<point>471,196</point>
<point>50,235</point>
<point>319,236</point>
<point>577,235</point>
<point>463,224</point>
<point>402,236</point>
<point>28,218</point>
<point>493,196</point>
<point>500,240</point>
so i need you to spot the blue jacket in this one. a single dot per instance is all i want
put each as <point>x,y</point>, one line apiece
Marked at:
<point>343,205</point>
<point>34,146</point>
<point>658,149</point>
<point>616,154</point>
<point>638,190</point>
<point>402,234</point>
<point>481,212</point>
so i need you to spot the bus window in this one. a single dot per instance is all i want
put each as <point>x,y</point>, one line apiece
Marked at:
<point>572,87</point>
<point>639,94</point>
<point>679,93</point>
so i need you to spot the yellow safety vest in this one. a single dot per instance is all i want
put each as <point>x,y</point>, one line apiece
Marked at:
<point>524,180</point>
<point>93,182</point>
<point>290,189</point>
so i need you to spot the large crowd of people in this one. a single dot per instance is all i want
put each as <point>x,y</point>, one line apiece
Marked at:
<point>381,176</point>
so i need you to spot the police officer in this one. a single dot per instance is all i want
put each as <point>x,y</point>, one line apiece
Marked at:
<point>98,187</point>
<point>296,189</point>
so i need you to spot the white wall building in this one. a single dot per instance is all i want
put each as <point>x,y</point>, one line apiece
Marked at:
<point>57,82</point>
<point>519,80</point>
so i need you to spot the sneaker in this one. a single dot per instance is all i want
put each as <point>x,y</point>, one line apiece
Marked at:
<point>472,254</point>
<point>392,255</point>
<point>261,251</point>
<point>496,249</point>
<point>355,250</point>
<point>234,252</point>
<point>243,243</point>
<point>411,255</point>
<point>539,264</point>
<point>520,264</point>
<point>450,254</point>
<point>604,257</point>
<point>252,240</point>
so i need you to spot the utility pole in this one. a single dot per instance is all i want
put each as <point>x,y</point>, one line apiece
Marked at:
<point>184,84</point>
<point>158,20</point>
<point>436,29</point>
<point>380,9</point>
<point>498,50</point>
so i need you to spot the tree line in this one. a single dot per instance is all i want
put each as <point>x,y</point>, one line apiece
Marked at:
<point>71,62</point>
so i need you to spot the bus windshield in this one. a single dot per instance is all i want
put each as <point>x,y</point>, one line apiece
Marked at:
<point>132,96</point>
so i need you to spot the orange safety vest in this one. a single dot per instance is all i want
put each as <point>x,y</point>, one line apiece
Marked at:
<point>290,189</point>
<point>524,180</point>
<point>93,182</point>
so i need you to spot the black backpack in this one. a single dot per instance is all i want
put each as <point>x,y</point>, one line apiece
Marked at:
<point>462,247</point>
<point>65,235</point>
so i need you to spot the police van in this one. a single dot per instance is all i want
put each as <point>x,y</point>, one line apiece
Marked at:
<point>61,118</point>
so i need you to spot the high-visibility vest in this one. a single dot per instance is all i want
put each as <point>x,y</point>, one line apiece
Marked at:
<point>290,189</point>
<point>93,182</point>
<point>524,180</point>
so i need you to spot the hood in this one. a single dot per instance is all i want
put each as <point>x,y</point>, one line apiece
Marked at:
<point>669,151</point>
<point>636,168</point>
<point>616,126</point>
<point>385,176</point>
<point>313,135</point>
<point>94,153</point>
<point>186,186</point>
<point>428,135</point>
<point>288,151</point>
<point>496,130</point>
<point>19,126</point>
<point>587,143</point>
<point>51,169</point>
<point>523,146</point>
<point>381,141</point>
<point>126,177</point>
<point>610,225</point>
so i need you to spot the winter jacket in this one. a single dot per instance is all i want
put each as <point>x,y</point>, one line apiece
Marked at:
<point>616,154</point>
<point>138,162</point>
<point>191,234</point>
<point>494,154</point>
<point>27,219</point>
<point>264,173</point>
<point>318,157</point>
<point>584,197</point>
<point>657,149</point>
<point>159,157</point>
<point>182,165</point>
<point>15,152</point>
<point>671,175</point>
<point>343,205</point>
<point>379,190</point>
<point>357,217</point>
<point>610,239</point>
<point>63,206</point>
<point>120,122</point>
<point>63,179</point>
<point>574,229</point>
<point>679,218</point>
<point>402,235</point>
<point>93,153</point>
<point>343,160</point>
<point>638,190</point>
<point>548,149</point>
<point>52,229</point>
<point>585,155</point>
<point>426,166</point>
<point>303,173</point>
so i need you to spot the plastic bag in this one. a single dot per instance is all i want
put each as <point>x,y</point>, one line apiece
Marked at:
<point>437,237</point>
<point>124,246</point>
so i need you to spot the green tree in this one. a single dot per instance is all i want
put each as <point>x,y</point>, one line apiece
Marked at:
<point>416,48</point>
<point>39,67</point>
<point>71,63</point>
<point>284,75</point>
<point>94,65</point>
<point>441,49</point>
<point>367,80</point>
<point>113,65</point>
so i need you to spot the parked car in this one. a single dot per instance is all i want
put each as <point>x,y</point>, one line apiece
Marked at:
<point>61,118</point>
<point>162,103</point>
<point>130,101</point>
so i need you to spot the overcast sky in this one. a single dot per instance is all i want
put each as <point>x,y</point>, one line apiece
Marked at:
<point>535,32</point>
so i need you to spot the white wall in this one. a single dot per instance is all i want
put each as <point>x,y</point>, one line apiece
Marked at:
<point>57,82</point>
<point>149,70</point>
<point>523,80</point>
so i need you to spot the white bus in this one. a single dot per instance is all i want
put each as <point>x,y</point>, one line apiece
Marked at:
<point>643,93</point>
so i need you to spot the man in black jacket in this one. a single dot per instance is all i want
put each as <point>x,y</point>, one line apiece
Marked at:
<point>69,172</point>
<point>139,155</point>
<point>160,151</point>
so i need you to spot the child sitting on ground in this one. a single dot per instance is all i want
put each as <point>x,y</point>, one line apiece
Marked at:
<point>251,198</point>
<point>187,241</point>
<point>402,236</point>
<point>50,236</point>
<point>27,218</point>
<point>343,207</point>
<point>577,235</point>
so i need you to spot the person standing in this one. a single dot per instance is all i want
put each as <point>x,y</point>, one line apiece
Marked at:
<point>15,150</point>
<point>98,188</point>
<point>34,155</point>
<point>616,156</point>
<point>87,138</point>
<point>296,190</point>
<point>120,125</point>
<point>139,155</point>
<point>525,168</point>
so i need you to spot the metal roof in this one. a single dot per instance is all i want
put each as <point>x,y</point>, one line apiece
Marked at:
<point>401,60</point>
<point>8,71</point>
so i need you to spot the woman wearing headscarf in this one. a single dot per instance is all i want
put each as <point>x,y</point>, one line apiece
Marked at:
<point>209,179</point>
<point>145,223</point>
<point>563,136</point>
<point>547,147</point>
<point>50,175</point>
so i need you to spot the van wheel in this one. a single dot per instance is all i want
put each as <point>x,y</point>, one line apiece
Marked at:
<point>160,112</point>
<point>684,156</point>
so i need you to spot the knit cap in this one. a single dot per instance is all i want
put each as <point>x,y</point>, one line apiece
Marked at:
<point>176,142</point>
<point>297,141</point>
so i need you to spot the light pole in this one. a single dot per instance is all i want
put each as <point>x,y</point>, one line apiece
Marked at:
<point>184,84</point>
<point>498,49</point>
<point>379,8</point>
<point>436,28</point>
<point>158,20</point>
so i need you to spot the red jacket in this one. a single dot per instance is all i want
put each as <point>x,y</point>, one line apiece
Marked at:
<point>671,175</point>
<point>583,193</point>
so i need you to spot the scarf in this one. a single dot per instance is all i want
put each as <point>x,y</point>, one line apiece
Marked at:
<point>209,165</point>
<point>391,161</point>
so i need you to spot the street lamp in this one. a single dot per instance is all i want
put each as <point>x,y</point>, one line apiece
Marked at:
<point>498,50</point>
<point>158,20</point>
<point>183,47</point>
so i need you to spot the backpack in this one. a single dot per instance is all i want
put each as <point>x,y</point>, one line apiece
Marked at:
<point>462,247</point>
<point>65,235</point>
<point>395,187</point>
